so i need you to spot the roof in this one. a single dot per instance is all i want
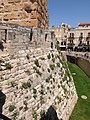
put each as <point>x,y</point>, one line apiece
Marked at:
<point>84,23</point>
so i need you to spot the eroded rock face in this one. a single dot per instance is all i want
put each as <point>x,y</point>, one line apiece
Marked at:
<point>12,11</point>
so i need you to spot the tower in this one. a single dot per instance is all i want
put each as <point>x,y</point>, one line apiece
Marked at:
<point>25,12</point>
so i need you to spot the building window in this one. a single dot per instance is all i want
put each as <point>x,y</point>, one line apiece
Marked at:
<point>87,42</point>
<point>80,42</point>
<point>81,34</point>
<point>89,34</point>
<point>71,41</point>
<point>71,34</point>
<point>61,43</point>
<point>64,42</point>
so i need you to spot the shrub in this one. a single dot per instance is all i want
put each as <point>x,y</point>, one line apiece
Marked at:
<point>11,108</point>
<point>34,114</point>
<point>34,91</point>
<point>38,72</point>
<point>48,79</point>
<point>42,92</point>
<point>28,72</point>
<point>8,66</point>
<point>52,66</point>
<point>14,115</point>
<point>58,64</point>
<point>34,68</point>
<point>25,103</point>
<point>41,100</point>
<point>59,99</point>
<point>49,56</point>
<point>26,85</point>
<point>42,113</point>
<point>42,58</point>
<point>53,59</point>
<point>13,84</point>
<point>37,63</point>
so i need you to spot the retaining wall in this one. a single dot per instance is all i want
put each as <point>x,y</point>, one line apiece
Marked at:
<point>33,74</point>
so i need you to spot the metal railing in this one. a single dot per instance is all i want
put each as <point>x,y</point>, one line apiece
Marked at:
<point>85,56</point>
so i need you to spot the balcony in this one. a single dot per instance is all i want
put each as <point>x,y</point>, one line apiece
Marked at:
<point>71,38</point>
<point>80,38</point>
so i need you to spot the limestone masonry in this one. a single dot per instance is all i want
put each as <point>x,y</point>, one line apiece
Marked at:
<point>25,12</point>
<point>33,74</point>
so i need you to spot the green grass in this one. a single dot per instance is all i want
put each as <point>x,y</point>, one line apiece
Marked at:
<point>82,83</point>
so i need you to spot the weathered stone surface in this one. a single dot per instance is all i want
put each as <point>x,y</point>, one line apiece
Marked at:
<point>7,8</point>
<point>17,11</point>
<point>34,78</point>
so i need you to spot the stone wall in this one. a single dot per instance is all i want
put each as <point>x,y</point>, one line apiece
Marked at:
<point>25,12</point>
<point>79,35</point>
<point>84,65</point>
<point>33,74</point>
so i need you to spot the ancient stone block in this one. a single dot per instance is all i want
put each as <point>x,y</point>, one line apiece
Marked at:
<point>33,22</point>
<point>27,8</point>
<point>14,10</point>
<point>13,16</point>
<point>11,1</point>
<point>17,1</point>
<point>1,9</point>
<point>33,14</point>
<point>24,0</point>
<point>7,8</point>
<point>15,7</point>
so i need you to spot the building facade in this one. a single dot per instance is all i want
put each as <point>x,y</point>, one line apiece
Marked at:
<point>73,38</point>
<point>61,34</point>
<point>25,12</point>
<point>79,37</point>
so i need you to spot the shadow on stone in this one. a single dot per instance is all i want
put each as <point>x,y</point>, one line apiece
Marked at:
<point>50,115</point>
<point>2,100</point>
<point>1,46</point>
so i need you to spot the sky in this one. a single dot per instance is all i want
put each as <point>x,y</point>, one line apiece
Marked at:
<point>71,12</point>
